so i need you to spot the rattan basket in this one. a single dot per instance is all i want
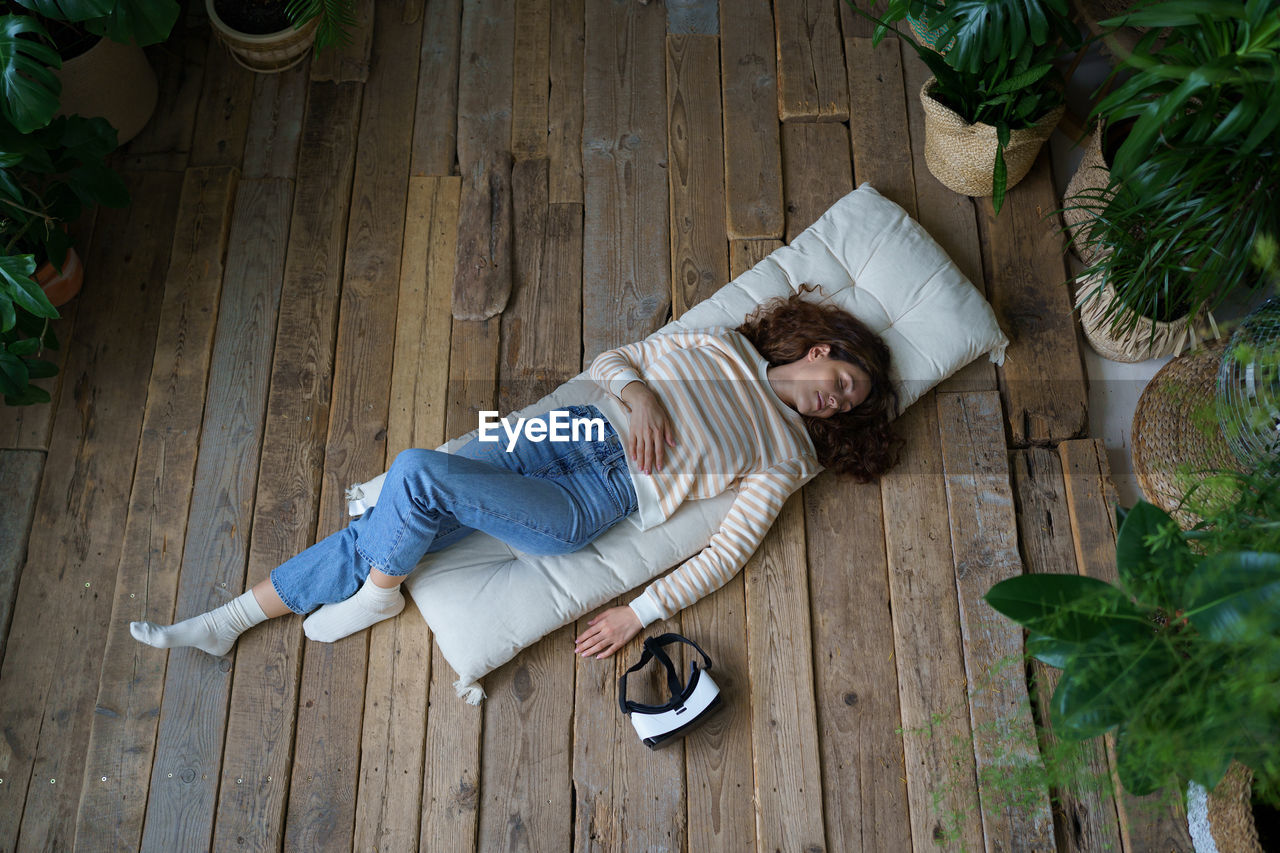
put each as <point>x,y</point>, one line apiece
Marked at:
<point>267,53</point>
<point>1175,439</point>
<point>1147,339</point>
<point>1090,178</point>
<point>962,156</point>
<point>1230,813</point>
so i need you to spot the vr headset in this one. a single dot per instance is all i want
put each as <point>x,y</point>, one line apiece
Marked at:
<point>691,704</point>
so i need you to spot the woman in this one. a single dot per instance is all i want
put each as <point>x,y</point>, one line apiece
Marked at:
<point>797,387</point>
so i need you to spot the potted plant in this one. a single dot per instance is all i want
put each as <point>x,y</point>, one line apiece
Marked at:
<point>1181,658</point>
<point>1167,236</point>
<point>275,35</point>
<point>996,95</point>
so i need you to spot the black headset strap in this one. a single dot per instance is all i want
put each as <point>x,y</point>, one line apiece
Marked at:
<point>653,648</point>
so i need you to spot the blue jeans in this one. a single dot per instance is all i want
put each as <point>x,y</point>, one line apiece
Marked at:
<point>547,497</point>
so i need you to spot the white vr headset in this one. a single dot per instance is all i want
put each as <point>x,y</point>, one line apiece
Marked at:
<point>691,704</point>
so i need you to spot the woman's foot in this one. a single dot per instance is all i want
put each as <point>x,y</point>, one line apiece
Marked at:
<point>369,606</point>
<point>214,632</point>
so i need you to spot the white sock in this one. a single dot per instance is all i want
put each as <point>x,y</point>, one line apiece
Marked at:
<point>214,632</point>
<point>370,605</point>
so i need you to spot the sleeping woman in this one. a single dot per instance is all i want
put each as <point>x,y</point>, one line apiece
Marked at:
<point>798,387</point>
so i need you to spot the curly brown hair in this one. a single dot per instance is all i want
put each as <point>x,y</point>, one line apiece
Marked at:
<point>860,442</point>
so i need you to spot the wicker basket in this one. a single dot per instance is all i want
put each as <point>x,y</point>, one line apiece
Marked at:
<point>1175,435</point>
<point>963,156</point>
<point>1230,815</point>
<point>1147,339</point>
<point>267,53</point>
<point>1091,177</point>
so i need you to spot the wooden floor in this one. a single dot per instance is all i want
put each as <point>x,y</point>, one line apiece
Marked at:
<point>455,212</point>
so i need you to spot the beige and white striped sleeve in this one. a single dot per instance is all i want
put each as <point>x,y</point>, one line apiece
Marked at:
<point>760,499</point>
<point>614,369</point>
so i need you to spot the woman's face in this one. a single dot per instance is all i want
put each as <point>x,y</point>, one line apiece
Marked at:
<point>824,386</point>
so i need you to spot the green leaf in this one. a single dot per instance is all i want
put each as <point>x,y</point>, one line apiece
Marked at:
<point>144,21</point>
<point>31,89</point>
<point>1107,682</point>
<point>1054,652</point>
<point>26,293</point>
<point>1000,176</point>
<point>1073,608</point>
<point>13,374</point>
<point>1150,559</point>
<point>38,368</point>
<point>29,346</point>
<point>1236,595</point>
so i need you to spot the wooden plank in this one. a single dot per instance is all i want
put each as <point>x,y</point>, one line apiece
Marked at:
<point>855,682</point>
<point>275,124</point>
<point>435,128</point>
<point>388,806</point>
<point>1085,815</point>
<point>450,785</point>
<point>811,76</point>
<point>784,730</point>
<point>695,144</point>
<point>1042,380</point>
<point>222,118</point>
<point>693,17</point>
<point>350,63</point>
<point>1156,822</point>
<point>948,217</point>
<point>752,151</point>
<point>483,277</point>
<point>745,254</point>
<point>626,243</point>
<point>20,480</point>
<point>564,108</point>
<point>985,551</point>
<point>50,666</point>
<point>122,731</point>
<point>818,170</point>
<point>180,66</point>
<point>327,753</point>
<point>531,74</point>
<point>194,714</point>
<point>878,128</point>
<point>941,777</point>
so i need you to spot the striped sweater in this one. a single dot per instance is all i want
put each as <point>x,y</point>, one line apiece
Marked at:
<point>731,430</point>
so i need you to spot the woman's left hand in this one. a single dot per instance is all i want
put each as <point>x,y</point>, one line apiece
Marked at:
<point>608,632</point>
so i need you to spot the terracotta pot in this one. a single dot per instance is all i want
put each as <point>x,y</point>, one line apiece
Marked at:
<point>963,156</point>
<point>111,80</point>
<point>269,53</point>
<point>61,285</point>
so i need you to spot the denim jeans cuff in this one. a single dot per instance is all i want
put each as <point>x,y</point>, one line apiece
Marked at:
<point>284,598</point>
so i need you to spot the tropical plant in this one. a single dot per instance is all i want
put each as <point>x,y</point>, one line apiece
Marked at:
<point>1182,657</point>
<point>336,18</point>
<point>998,68</point>
<point>1194,182</point>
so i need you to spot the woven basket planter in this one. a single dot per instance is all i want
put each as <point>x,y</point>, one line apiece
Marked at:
<point>962,156</point>
<point>1229,816</point>
<point>269,53</point>
<point>1147,339</point>
<point>1091,177</point>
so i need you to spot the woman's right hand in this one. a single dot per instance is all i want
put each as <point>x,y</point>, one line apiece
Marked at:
<point>650,427</point>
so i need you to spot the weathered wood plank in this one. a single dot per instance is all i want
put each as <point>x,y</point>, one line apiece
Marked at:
<point>695,142</point>
<point>193,720</point>
<point>435,129</point>
<point>784,729</point>
<point>752,151</point>
<point>531,73</point>
<point>855,681</point>
<point>564,109</point>
<point>122,732</point>
<point>985,551</point>
<point>275,124</point>
<point>941,778</point>
<point>878,128</point>
<point>20,480</point>
<point>483,278</point>
<point>948,217</point>
<point>222,118</point>
<point>818,170</point>
<point>50,666</point>
<point>350,62</point>
<point>626,243</point>
<point>1042,380</point>
<point>745,254</point>
<point>1085,815</point>
<point>451,781</point>
<point>811,76</point>
<point>180,67</point>
<point>1146,823</point>
<point>693,17</point>
<point>322,793</point>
